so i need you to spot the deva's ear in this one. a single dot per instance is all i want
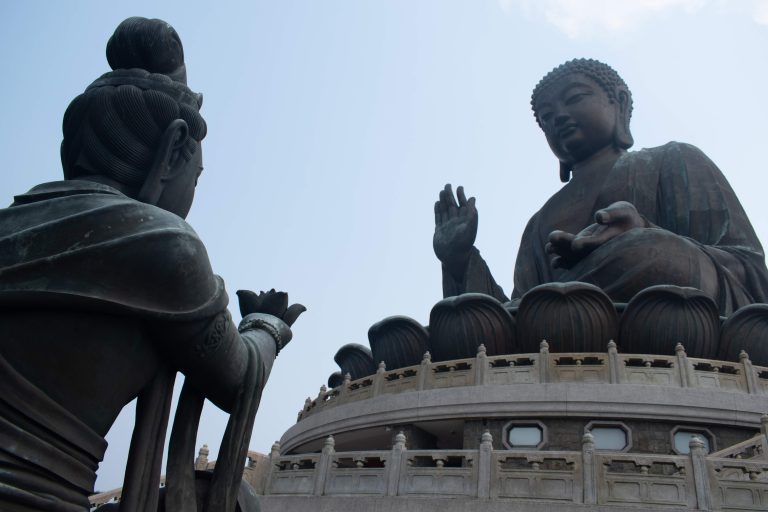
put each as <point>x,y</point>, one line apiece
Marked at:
<point>167,155</point>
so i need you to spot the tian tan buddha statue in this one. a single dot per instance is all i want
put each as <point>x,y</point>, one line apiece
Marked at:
<point>624,221</point>
<point>107,292</point>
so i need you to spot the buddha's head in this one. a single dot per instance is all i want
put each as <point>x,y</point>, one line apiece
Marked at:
<point>139,126</point>
<point>583,106</point>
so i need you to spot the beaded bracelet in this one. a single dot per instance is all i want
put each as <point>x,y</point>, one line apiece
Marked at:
<point>259,323</point>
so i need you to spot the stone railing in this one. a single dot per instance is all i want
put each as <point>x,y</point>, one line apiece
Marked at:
<point>255,474</point>
<point>696,481</point>
<point>608,367</point>
<point>113,496</point>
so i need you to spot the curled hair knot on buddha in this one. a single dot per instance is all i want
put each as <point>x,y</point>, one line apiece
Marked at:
<point>608,80</point>
<point>115,126</point>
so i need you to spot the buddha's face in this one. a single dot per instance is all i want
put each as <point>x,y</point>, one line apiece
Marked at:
<point>578,117</point>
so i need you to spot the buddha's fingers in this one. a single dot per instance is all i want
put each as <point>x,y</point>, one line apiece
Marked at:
<point>450,202</point>
<point>460,195</point>
<point>560,239</point>
<point>589,242</point>
<point>471,210</point>
<point>620,211</point>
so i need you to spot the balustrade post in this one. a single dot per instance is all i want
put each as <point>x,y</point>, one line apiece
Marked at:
<point>395,465</point>
<point>764,430</point>
<point>484,461</point>
<point>320,400</point>
<point>481,366</point>
<point>201,462</point>
<point>274,461</point>
<point>685,368</point>
<point>426,363</point>
<point>614,363</point>
<point>589,468</point>
<point>344,389</point>
<point>543,362</point>
<point>305,409</point>
<point>324,465</point>
<point>749,373</point>
<point>700,474</point>
<point>378,379</point>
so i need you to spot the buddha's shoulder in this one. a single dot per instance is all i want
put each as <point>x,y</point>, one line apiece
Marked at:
<point>671,147</point>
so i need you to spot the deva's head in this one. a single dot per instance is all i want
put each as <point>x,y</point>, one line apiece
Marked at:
<point>583,106</point>
<point>139,126</point>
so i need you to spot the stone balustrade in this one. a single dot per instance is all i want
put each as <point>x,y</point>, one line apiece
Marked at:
<point>254,474</point>
<point>697,481</point>
<point>609,367</point>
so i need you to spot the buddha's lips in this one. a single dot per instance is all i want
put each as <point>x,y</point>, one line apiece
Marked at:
<point>566,130</point>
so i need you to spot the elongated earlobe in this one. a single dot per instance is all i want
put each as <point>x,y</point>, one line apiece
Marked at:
<point>623,137</point>
<point>565,172</point>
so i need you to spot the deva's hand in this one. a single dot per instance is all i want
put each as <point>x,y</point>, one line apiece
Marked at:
<point>455,228</point>
<point>271,302</point>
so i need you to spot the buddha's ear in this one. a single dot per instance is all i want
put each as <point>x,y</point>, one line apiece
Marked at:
<point>565,171</point>
<point>623,137</point>
<point>166,158</point>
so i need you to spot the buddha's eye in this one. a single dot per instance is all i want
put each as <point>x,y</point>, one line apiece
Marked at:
<point>575,98</point>
<point>545,117</point>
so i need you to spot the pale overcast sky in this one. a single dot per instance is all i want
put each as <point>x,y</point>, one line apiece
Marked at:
<point>332,125</point>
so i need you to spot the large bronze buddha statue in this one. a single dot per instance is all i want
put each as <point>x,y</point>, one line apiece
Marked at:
<point>106,292</point>
<point>625,220</point>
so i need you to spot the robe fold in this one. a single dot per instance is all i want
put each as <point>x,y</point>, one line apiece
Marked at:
<point>83,244</point>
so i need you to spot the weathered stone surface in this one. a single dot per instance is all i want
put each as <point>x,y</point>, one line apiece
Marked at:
<point>659,317</point>
<point>747,330</point>
<point>458,325</point>
<point>399,341</point>
<point>356,360</point>
<point>572,317</point>
<point>335,380</point>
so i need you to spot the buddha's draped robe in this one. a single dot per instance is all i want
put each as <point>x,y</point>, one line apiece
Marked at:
<point>700,228</point>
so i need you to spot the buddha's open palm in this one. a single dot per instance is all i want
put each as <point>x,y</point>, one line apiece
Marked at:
<point>455,227</point>
<point>614,220</point>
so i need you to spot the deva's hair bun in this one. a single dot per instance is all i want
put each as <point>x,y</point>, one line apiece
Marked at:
<point>148,44</point>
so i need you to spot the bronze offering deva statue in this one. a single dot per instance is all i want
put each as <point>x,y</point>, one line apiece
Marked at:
<point>107,292</point>
<point>624,221</point>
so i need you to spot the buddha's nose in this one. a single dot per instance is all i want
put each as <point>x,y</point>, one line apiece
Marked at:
<point>561,118</point>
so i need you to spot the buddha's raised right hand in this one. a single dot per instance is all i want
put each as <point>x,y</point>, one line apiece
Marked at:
<point>455,228</point>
